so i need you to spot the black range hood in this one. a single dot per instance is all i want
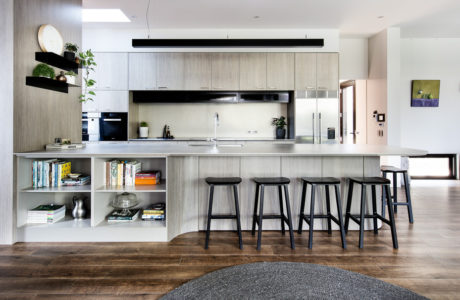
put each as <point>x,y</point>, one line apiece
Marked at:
<point>162,96</point>
<point>231,43</point>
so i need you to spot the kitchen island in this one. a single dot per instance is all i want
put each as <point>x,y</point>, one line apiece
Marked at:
<point>183,188</point>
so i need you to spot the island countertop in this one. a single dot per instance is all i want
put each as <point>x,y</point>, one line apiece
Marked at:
<point>256,149</point>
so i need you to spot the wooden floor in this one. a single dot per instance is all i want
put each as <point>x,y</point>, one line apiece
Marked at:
<point>427,262</point>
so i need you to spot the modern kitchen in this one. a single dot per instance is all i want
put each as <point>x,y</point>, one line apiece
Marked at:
<point>196,155</point>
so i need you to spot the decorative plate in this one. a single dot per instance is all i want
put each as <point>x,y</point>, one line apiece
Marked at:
<point>50,40</point>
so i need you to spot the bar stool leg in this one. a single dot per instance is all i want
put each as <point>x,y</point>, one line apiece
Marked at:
<point>392,218</point>
<point>288,211</point>
<point>361,220</point>
<point>280,196</point>
<point>261,212</point>
<point>383,198</point>
<point>302,207</point>
<point>374,209</point>
<point>339,212</point>
<point>254,215</point>
<point>208,227</point>
<point>347,211</point>
<point>408,199</point>
<point>328,208</point>
<point>395,191</point>
<point>312,215</point>
<point>238,220</point>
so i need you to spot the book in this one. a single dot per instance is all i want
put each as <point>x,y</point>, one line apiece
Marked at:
<point>148,177</point>
<point>120,215</point>
<point>154,212</point>
<point>80,180</point>
<point>49,213</point>
<point>113,172</point>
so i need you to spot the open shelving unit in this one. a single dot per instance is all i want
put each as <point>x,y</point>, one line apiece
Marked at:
<point>95,228</point>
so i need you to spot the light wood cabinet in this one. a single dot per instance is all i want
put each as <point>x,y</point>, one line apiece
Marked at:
<point>170,71</point>
<point>253,71</point>
<point>111,72</point>
<point>107,101</point>
<point>142,71</point>
<point>225,71</point>
<point>197,74</point>
<point>327,70</point>
<point>280,71</point>
<point>305,71</point>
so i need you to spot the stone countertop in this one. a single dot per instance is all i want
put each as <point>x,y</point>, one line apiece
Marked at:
<point>252,149</point>
<point>207,139</point>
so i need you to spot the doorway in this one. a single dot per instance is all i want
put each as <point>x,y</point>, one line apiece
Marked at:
<point>353,106</point>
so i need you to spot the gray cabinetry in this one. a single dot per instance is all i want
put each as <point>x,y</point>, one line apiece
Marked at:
<point>111,72</point>
<point>197,73</point>
<point>225,71</point>
<point>170,71</point>
<point>305,71</point>
<point>253,71</point>
<point>327,70</point>
<point>280,71</point>
<point>142,71</point>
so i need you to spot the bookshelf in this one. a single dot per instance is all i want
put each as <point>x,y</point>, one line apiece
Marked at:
<point>98,202</point>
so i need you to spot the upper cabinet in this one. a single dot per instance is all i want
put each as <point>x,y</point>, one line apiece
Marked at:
<point>280,71</point>
<point>305,71</point>
<point>225,71</point>
<point>107,101</point>
<point>142,71</point>
<point>253,71</point>
<point>170,71</point>
<point>111,72</point>
<point>197,73</point>
<point>327,70</point>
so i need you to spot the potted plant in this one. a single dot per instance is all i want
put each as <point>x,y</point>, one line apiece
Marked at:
<point>43,70</point>
<point>88,63</point>
<point>143,130</point>
<point>280,124</point>
<point>71,49</point>
<point>71,76</point>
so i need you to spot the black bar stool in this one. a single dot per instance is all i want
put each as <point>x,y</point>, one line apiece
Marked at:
<point>228,181</point>
<point>373,182</point>
<point>327,182</point>
<point>280,182</point>
<point>395,171</point>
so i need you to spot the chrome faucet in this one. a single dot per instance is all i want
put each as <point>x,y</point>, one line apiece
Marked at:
<point>216,123</point>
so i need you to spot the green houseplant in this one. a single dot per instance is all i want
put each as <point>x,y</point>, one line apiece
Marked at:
<point>88,63</point>
<point>43,70</point>
<point>71,49</point>
<point>143,130</point>
<point>280,124</point>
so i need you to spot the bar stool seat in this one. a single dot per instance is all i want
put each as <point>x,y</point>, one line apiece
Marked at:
<point>321,180</point>
<point>280,182</point>
<point>370,180</point>
<point>223,181</point>
<point>272,180</point>
<point>392,169</point>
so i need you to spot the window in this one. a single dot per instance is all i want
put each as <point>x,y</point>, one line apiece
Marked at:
<point>433,166</point>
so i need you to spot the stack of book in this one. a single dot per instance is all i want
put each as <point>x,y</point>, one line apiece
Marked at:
<point>155,212</point>
<point>78,180</point>
<point>43,214</point>
<point>121,173</point>
<point>148,177</point>
<point>49,173</point>
<point>123,215</point>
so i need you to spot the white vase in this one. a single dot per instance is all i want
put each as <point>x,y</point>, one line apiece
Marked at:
<point>70,79</point>
<point>143,132</point>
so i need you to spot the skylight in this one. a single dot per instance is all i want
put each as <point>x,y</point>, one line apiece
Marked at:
<point>103,15</point>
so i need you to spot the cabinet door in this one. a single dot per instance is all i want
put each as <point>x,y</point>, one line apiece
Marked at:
<point>197,71</point>
<point>111,101</point>
<point>253,71</point>
<point>305,71</point>
<point>280,71</point>
<point>327,71</point>
<point>111,72</point>
<point>225,71</point>
<point>142,71</point>
<point>170,71</point>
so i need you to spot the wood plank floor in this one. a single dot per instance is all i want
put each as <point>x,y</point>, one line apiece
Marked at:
<point>427,262</point>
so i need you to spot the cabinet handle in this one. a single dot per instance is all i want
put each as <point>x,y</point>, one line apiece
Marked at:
<point>272,87</point>
<point>217,87</point>
<point>204,88</point>
<point>309,88</point>
<point>260,87</point>
<point>107,87</point>
<point>322,88</point>
<point>162,87</point>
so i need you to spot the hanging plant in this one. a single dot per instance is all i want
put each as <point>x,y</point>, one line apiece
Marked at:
<point>88,63</point>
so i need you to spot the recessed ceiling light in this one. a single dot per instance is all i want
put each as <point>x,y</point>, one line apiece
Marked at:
<point>103,15</point>
<point>380,17</point>
<point>256,17</point>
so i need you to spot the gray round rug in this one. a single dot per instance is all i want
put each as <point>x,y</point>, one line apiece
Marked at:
<point>287,280</point>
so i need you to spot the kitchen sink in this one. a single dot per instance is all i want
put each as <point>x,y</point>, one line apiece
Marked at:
<point>218,145</point>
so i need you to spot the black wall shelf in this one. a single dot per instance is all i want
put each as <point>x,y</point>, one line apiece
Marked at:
<point>49,84</point>
<point>57,61</point>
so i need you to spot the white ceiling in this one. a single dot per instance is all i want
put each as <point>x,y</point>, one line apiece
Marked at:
<point>357,18</point>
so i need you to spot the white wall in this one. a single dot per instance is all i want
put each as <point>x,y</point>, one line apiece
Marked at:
<point>353,58</point>
<point>120,40</point>
<point>393,116</point>
<point>433,129</point>
<point>6,122</point>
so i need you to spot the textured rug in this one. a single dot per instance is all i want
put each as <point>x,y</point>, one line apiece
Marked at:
<point>287,280</point>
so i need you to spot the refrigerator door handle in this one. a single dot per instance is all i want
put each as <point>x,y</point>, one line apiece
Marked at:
<point>320,125</point>
<point>314,133</point>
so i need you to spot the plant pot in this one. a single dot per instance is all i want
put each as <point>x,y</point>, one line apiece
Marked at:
<point>70,79</point>
<point>69,55</point>
<point>280,133</point>
<point>143,132</point>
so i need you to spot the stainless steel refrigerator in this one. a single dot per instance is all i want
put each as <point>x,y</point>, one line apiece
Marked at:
<point>316,117</point>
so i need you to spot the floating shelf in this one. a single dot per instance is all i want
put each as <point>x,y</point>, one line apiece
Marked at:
<point>57,61</point>
<point>59,189</point>
<point>49,84</point>
<point>148,188</point>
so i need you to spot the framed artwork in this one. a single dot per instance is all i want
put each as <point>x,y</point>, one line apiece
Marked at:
<point>425,93</point>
